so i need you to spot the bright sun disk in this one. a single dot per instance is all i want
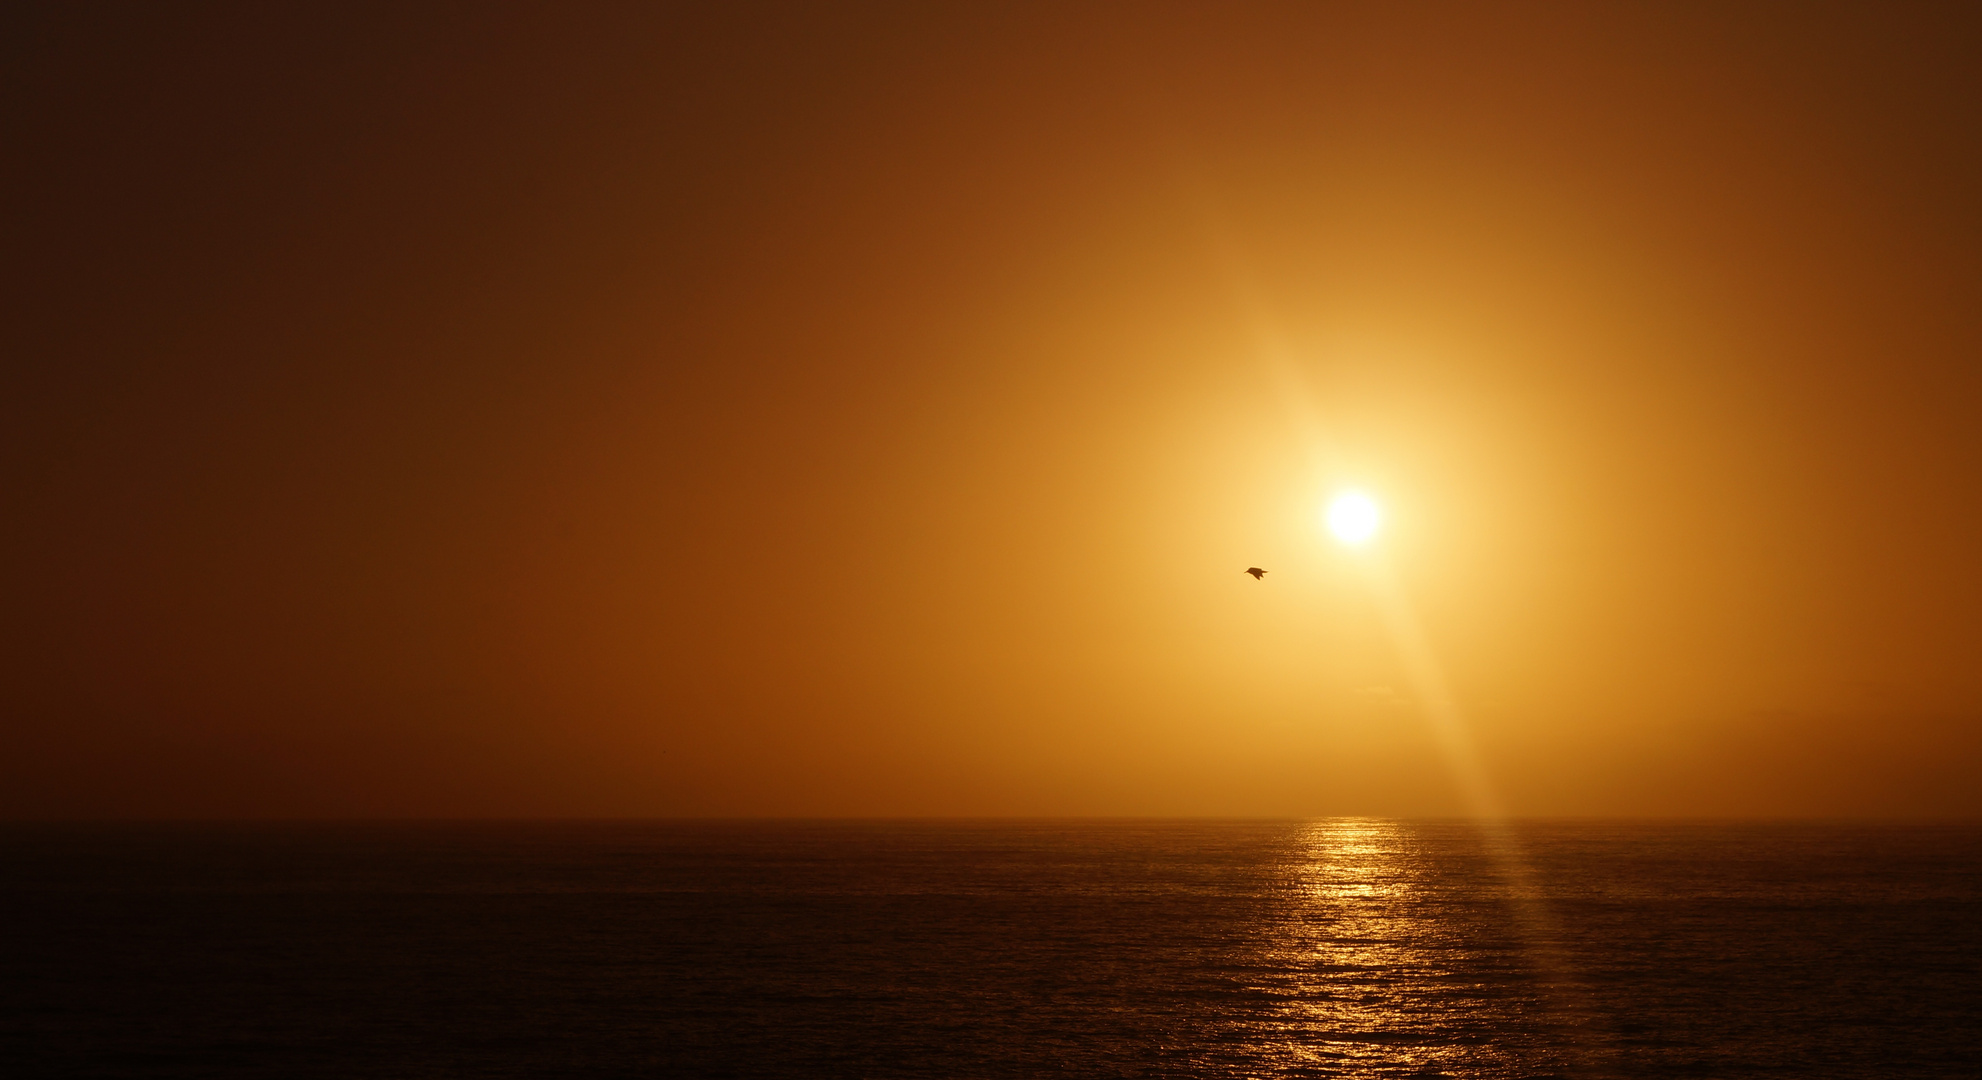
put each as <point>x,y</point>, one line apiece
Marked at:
<point>1353,517</point>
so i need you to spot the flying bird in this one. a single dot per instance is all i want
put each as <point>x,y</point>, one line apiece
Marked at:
<point>1257,573</point>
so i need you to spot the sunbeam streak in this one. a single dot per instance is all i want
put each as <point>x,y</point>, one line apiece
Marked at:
<point>1353,517</point>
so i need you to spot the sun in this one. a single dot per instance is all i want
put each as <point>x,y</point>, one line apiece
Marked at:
<point>1353,517</point>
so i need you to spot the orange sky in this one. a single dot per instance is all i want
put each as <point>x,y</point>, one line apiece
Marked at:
<point>871,410</point>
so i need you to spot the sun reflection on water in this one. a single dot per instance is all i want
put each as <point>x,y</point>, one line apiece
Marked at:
<point>1384,961</point>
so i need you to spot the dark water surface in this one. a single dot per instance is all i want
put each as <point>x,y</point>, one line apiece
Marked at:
<point>1214,949</point>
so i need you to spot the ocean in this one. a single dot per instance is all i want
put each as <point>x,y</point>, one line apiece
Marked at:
<point>1345,947</point>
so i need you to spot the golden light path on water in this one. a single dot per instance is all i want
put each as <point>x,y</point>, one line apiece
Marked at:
<point>1401,950</point>
<point>1360,949</point>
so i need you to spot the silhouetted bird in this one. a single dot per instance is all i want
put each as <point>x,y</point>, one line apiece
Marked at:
<point>1257,573</point>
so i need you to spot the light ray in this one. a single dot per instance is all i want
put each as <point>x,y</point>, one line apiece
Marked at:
<point>1440,707</point>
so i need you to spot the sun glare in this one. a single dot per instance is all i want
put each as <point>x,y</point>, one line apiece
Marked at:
<point>1353,517</point>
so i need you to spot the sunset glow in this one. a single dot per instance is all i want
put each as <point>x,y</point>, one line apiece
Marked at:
<point>810,540</point>
<point>784,411</point>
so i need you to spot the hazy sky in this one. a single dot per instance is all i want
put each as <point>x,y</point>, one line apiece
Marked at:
<point>847,409</point>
